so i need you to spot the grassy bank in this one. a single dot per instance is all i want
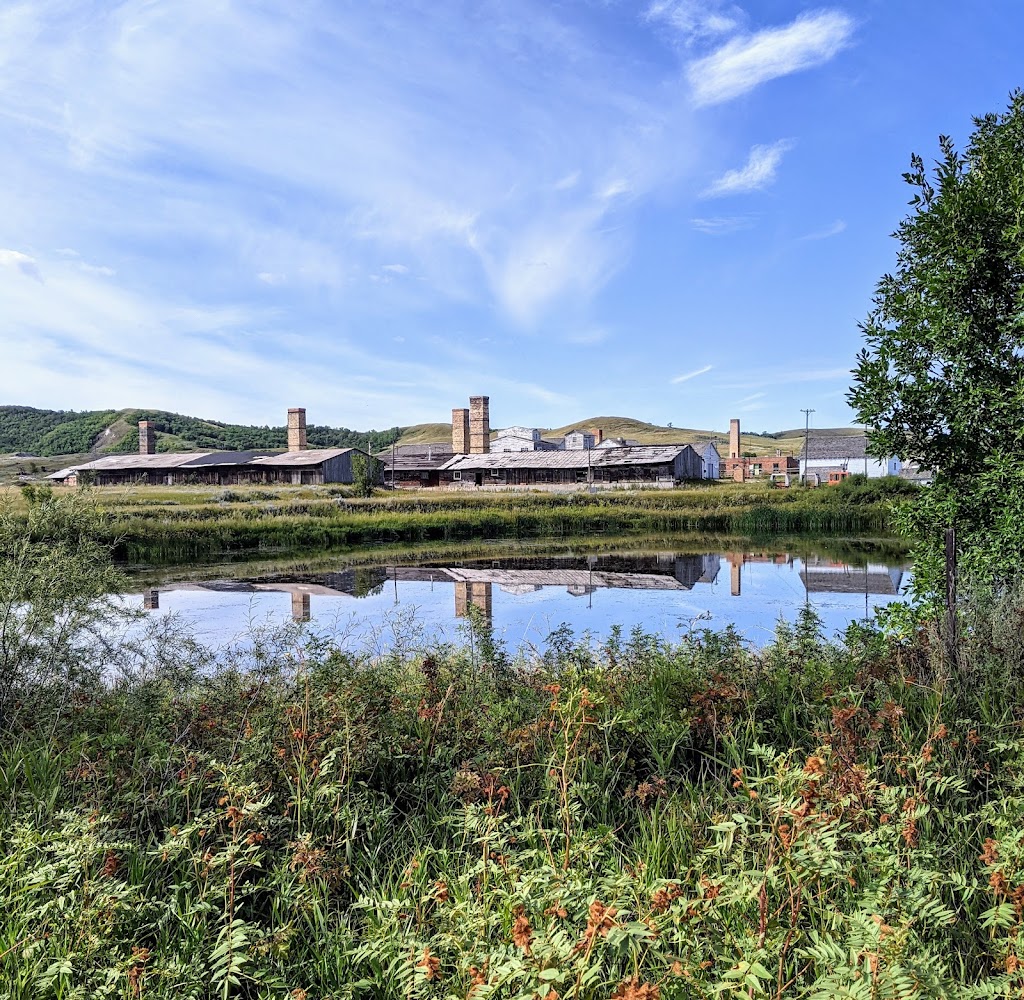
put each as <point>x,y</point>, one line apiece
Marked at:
<point>152,525</point>
<point>631,820</point>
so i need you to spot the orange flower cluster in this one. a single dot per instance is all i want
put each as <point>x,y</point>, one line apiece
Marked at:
<point>430,965</point>
<point>600,920</point>
<point>633,989</point>
<point>662,899</point>
<point>522,932</point>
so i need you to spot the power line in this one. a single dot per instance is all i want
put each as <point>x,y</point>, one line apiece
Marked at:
<point>807,430</point>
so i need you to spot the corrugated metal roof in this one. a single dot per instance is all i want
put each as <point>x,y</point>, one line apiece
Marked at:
<point>167,460</point>
<point>205,459</point>
<point>312,456</point>
<point>594,458</point>
<point>835,446</point>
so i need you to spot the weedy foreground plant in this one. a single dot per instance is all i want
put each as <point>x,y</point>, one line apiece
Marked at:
<point>631,819</point>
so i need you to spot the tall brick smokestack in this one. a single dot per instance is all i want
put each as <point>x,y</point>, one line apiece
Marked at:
<point>598,433</point>
<point>460,431</point>
<point>297,429</point>
<point>147,437</point>
<point>734,439</point>
<point>479,425</point>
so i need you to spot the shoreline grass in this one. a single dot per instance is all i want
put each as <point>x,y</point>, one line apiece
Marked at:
<point>178,524</point>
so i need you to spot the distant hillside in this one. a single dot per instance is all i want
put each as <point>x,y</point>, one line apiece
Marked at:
<point>67,432</point>
<point>48,433</point>
<point>790,442</point>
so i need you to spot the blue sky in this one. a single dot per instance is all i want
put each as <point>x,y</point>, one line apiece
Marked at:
<point>670,209</point>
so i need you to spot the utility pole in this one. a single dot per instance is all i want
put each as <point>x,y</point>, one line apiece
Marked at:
<point>807,432</point>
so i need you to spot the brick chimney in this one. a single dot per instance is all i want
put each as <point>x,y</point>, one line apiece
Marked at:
<point>598,435</point>
<point>297,429</point>
<point>147,437</point>
<point>460,431</point>
<point>734,439</point>
<point>479,425</point>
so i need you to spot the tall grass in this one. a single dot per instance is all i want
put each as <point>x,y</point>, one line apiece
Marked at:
<point>632,818</point>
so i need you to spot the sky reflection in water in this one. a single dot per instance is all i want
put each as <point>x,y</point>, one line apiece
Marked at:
<point>526,598</point>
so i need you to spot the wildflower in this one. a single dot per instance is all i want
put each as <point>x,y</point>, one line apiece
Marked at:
<point>633,989</point>
<point>661,899</point>
<point>786,835</point>
<point>556,911</point>
<point>814,765</point>
<point>110,865</point>
<point>600,920</point>
<point>711,890</point>
<point>676,969</point>
<point>1012,964</point>
<point>941,732</point>
<point>441,894</point>
<point>522,933</point>
<point>430,965</point>
<point>990,854</point>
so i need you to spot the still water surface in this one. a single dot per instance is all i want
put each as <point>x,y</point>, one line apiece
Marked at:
<point>527,595</point>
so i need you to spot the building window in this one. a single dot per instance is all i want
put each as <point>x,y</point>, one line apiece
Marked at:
<point>457,476</point>
<point>494,472</point>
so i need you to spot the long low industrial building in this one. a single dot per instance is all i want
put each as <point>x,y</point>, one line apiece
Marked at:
<point>646,465</point>
<point>298,465</point>
<point>313,467</point>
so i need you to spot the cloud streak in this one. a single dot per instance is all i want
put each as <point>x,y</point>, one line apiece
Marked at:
<point>757,173</point>
<point>689,375</point>
<point>744,63</point>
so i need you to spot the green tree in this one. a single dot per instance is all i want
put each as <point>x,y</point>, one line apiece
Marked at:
<point>941,378</point>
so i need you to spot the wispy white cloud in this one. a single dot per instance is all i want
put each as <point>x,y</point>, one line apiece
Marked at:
<point>757,173</point>
<point>100,269</point>
<point>695,20</point>
<point>395,268</point>
<point>569,181</point>
<point>385,134</point>
<point>690,375</point>
<point>22,262</point>
<point>746,62</point>
<point>751,398</point>
<point>590,336</point>
<point>784,376</point>
<point>835,229</point>
<point>723,225</point>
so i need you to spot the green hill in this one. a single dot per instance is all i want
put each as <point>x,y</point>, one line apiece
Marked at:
<point>789,442</point>
<point>48,433</point>
<point>53,433</point>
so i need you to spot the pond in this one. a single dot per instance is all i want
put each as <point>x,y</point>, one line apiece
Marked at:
<point>526,592</point>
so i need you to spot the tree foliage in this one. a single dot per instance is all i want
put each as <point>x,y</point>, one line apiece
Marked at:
<point>67,432</point>
<point>941,378</point>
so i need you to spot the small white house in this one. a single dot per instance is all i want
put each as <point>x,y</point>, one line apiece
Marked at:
<point>843,453</point>
<point>711,461</point>
<point>516,439</point>
<point>579,441</point>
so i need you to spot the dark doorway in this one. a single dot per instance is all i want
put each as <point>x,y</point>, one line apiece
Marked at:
<point>479,479</point>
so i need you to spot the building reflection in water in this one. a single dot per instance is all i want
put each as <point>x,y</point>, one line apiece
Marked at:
<point>477,593</point>
<point>300,606</point>
<point>580,577</point>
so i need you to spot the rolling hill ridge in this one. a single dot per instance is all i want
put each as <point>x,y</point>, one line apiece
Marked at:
<point>53,433</point>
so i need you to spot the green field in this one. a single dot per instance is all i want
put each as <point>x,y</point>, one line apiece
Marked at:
<point>174,524</point>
